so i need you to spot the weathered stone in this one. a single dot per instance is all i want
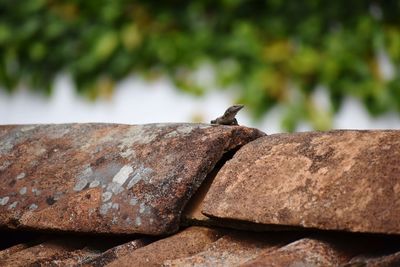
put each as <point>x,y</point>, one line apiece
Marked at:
<point>304,252</point>
<point>116,252</point>
<point>43,253</point>
<point>6,253</point>
<point>233,249</point>
<point>107,178</point>
<point>186,243</point>
<point>391,260</point>
<point>192,214</point>
<point>70,258</point>
<point>343,180</point>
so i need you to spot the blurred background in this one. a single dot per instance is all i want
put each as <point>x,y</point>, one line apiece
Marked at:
<point>295,65</point>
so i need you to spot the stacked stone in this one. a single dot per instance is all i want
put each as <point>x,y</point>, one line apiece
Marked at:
<point>304,199</point>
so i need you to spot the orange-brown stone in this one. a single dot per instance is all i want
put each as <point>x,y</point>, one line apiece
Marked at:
<point>186,243</point>
<point>341,180</point>
<point>304,252</point>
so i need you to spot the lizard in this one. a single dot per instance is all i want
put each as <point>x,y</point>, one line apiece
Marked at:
<point>229,116</point>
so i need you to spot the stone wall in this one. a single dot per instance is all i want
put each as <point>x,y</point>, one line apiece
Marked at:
<point>197,194</point>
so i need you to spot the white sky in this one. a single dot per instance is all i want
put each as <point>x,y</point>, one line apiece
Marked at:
<point>136,102</point>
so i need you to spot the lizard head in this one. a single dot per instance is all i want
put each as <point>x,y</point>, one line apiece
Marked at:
<point>233,110</point>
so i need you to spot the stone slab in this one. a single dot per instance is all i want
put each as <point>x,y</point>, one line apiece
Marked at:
<point>107,178</point>
<point>43,253</point>
<point>304,252</point>
<point>340,180</point>
<point>233,249</point>
<point>391,260</point>
<point>6,253</point>
<point>115,252</point>
<point>183,244</point>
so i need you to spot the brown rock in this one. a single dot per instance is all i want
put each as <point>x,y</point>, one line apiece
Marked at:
<point>50,251</point>
<point>192,214</point>
<point>70,258</point>
<point>232,249</point>
<point>186,243</point>
<point>345,180</point>
<point>107,178</point>
<point>391,260</point>
<point>115,253</point>
<point>6,253</point>
<point>304,252</point>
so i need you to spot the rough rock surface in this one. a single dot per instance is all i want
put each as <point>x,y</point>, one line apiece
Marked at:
<point>342,180</point>
<point>121,179</point>
<point>304,252</point>
<point>107,178</point>
<point>200,246</point>
<point>56,251</point>
<point>186,243</point>
<point>391,260</point>
<point>4,254</point>
<point>233,249</point>
<point>114,253</point>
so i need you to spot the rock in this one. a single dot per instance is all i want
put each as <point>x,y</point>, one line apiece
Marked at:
<point>4,254</point>
<point>115,253</point>
<point>68,251</point>
<point>233,249</point>
<point>390,260</point>
<point>304,252</point>
<point>200,246</point>
<point>186,243</point>
<point>107,178</point>
<point>192,214</point>
<point>124,180</point>
<point>338,180</point>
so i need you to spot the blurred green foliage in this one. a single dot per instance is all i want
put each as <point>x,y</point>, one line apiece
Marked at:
<point>271,52</point>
